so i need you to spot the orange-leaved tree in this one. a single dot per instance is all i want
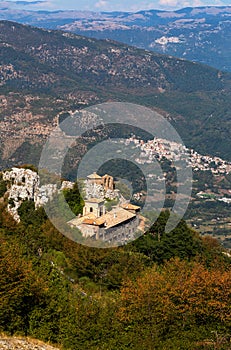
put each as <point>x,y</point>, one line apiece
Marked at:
<point>180,300</point>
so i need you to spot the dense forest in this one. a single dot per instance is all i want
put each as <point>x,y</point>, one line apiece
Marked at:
<point>162,291</point>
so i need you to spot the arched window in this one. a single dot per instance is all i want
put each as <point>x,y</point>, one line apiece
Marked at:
<point>91,209</point>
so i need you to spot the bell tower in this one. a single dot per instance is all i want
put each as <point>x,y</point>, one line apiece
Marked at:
<point>94,206</point>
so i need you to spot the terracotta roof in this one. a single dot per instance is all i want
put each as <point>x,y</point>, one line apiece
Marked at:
<point>94,200</point>
<point>88,221</point>
<point>105,175</point>
<point>117,216</point>
<point>94,176</point>
<point>113,218</point>
<point>97,222</point>
<point>79,220</point>
<point>130,206</point>
<point>101,220</point>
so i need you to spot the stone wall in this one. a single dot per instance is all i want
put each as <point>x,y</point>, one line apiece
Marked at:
<point>120,233</point>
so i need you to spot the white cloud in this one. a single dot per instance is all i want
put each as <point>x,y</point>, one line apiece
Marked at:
<point>180,3</point>
<point>173,4</point>
<point>101,4</point>
<point>108,5</point>
<point>46,5</point>
<point>25,4</point>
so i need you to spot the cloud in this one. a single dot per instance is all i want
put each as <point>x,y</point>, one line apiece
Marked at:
<point>173,4</point>
<point>22,3</point>
<point>18,4</point>
<point>101,4</point>
<point>179,3</point>
<point>107,5</point>
<point>28,2</point>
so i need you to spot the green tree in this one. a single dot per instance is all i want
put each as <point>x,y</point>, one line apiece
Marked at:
<point>74,199</point>
<point>3,186</point>
<point>31,216</point>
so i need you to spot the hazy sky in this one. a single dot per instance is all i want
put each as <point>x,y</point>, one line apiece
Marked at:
<point>109,5</point>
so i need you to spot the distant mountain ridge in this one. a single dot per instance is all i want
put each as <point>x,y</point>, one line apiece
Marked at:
<point>45,73</point>
<point>200,34</point>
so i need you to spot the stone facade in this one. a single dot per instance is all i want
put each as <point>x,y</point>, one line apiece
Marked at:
<point>108,182</point>
<point>94,206</point>
<point>117,226</point>
<point>120,233</point>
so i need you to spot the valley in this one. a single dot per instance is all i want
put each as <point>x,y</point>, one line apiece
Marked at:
<point>115,133</point>
<point>48,75</point>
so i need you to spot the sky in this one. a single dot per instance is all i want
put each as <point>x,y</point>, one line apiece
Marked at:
<point>109,5</point>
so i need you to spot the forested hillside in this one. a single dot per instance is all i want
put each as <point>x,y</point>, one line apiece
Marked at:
<point>163,291</point>
<point>200,34</point>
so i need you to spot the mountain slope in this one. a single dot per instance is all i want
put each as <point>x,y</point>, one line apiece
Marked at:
<point>44,73</point>
<point>201,34</point>
<point>197,34</point>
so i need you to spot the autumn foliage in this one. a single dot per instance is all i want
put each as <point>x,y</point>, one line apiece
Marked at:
<point>165,291</point>
<point>180,297</point>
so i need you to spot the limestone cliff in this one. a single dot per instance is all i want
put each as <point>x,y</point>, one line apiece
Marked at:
<point>24,184</point>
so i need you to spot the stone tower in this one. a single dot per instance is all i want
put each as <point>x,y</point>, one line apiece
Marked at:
<point>94,206</point>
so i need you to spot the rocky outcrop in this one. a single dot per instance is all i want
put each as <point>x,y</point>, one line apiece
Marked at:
<point>23,344</point>
<point>98,191</point>
<point>44,193</point>
<point>67,185</point>
<point>24,184</point>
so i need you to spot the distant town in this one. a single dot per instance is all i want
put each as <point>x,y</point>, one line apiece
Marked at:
<point>173,151</point>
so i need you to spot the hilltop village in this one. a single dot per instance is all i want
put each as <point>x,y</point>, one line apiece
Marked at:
<point>180,156</point>
<point>173,151</point>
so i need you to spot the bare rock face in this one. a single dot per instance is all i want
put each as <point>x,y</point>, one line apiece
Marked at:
<point>23,344</point>
<point>44,193</point>
<point>24,184</point>
<point>67,185</point>
<point>94,190</point>
<point>98,191</point>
